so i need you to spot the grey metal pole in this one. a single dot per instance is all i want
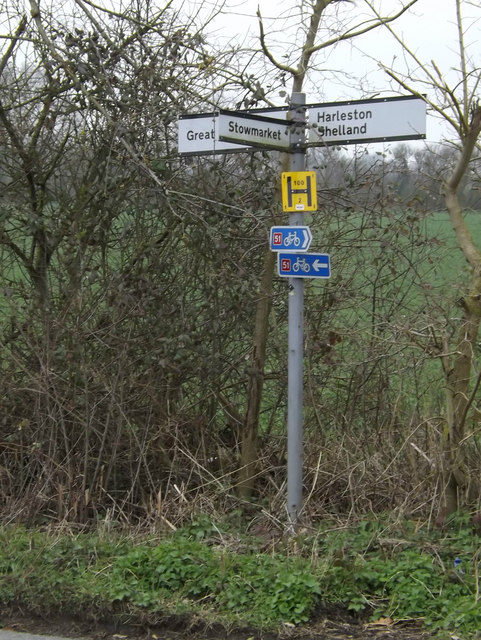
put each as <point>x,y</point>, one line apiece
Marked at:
<point>295,339</point>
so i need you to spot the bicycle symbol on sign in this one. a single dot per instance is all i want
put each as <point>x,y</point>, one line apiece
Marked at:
<point>292,239</point>
<point>301,264</point>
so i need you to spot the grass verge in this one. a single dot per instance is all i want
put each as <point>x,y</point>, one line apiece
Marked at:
<point>377,569</point>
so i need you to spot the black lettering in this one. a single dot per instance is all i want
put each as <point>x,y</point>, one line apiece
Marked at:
<point>200,135</point>
<point>341,116</point>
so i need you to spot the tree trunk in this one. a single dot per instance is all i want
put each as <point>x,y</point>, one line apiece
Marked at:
<point>247,470</point>
<point>458,380</point>
<point>458,372</point>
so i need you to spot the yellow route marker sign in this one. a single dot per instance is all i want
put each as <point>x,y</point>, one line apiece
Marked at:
<point>299,191</point>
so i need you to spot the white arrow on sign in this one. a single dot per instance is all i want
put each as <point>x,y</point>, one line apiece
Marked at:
<point>317,265</point>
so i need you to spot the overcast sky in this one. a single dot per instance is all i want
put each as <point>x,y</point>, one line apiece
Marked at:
<point>428,28</point>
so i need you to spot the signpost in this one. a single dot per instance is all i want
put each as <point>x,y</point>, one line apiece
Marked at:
<point>295,336</point>
<point>290,238</point>
<point>350,122</point>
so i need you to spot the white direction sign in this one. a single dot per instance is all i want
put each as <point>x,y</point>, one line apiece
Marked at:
<point>253,130</point>
<point>400,118</point>
<point>331,123</point>
<point>296,238</point>
<point>198,134</point>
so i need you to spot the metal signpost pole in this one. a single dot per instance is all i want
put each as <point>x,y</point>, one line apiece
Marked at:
<point>296,337</point>
<point>377,120</point>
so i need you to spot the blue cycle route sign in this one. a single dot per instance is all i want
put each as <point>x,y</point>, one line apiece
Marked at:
<point>290,238</point>
<point>304,265</point>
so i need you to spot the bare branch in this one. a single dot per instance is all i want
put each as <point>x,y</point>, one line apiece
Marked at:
<point>469,145</point>
<point>462,55</point>
<point>71,73</point>
<point>5,240</point>
<point>466,242</point>
<point>267,53</point>
<point>19,31</point>
<point>309,47</point>
<point>354,34</point>
<point>118,14</point>
<point>414,92</point>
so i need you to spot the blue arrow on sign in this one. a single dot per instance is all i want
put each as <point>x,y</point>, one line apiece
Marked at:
<point>290,238</point>
<point>304,265</point>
